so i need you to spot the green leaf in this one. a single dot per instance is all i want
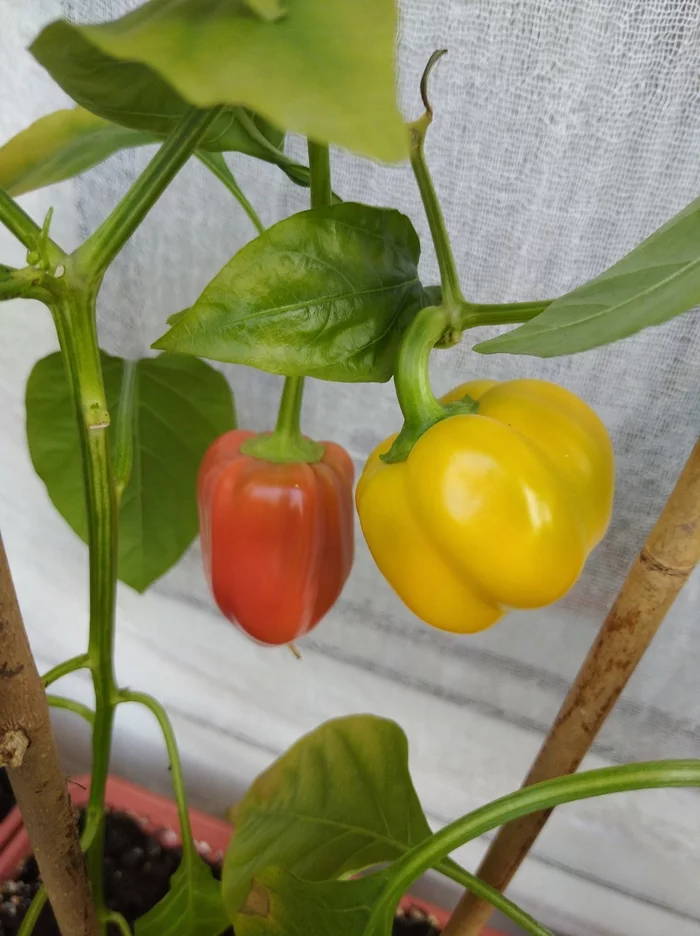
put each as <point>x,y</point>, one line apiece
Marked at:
<point>340,800</point>
<point>266,9</point>
<point>280,904</point>
<point>433,295</point>
<point>176,316</point>
<point>60,146</point>
<point>181,406</point>
<point>133,95</point>
<point>326,293</point>
<point>654,282</point>
<point>192,906</point>
<point>322,69</point>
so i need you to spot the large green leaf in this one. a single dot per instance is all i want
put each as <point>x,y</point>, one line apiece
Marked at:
<point>326,293</point>
<point>60,146</point>
<point>133,95</point>
<point>657,280</point>
<point>280,904</point>
<point>340,800</point>
<point>323,69</point>
<point>181,406</point>
<point>192,906</point>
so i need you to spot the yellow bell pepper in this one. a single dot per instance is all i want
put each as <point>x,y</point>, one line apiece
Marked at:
<point>493,510</point>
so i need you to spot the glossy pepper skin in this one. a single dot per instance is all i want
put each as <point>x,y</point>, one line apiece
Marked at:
<point>491,511</point>
<point>277,538</point>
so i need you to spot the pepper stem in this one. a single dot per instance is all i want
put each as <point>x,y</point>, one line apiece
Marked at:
<point>420,408</point>
<point>289,415</point>
<point>412,377</point>
<point>286,444</point>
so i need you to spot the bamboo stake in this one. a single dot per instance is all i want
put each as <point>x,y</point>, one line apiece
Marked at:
<point>28,750</point>
<point>662,567</point>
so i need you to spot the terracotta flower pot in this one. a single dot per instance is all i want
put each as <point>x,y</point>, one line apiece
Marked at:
<point>158,814</point>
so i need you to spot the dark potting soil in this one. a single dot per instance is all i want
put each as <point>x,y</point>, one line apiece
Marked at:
<point>137,872</point>
<point>7,797</point>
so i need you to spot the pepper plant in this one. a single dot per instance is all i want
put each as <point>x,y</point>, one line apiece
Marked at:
<point>332,293</point>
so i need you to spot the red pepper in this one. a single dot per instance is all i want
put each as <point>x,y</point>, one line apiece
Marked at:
<point>277,535</point>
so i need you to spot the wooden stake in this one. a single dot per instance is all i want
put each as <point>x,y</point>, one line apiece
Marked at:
<point>662,567</point>
<point>28,750</point>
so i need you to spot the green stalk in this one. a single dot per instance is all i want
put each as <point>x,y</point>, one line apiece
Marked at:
<point>70,705</point>
<point>116,919</point>
<point>98,251</point>
<point>452,298</point>
<point>124,441</point>
<point>25,229</point>
<point>27,283</point>
<point>75,324</point>
<point>63,669</point>
<point>540,796</point>
<point>289,415</point>
<point>412,380</point>
<point>189,851</point>
<point>216,163</point>
<point>418,404</point>
<point>32,915</point>
<point>509,909</point>
<point>286,444</point>
<point>320,174</point>
<point>475,315</point>
<point>296,172</point>
<point>461,314</point>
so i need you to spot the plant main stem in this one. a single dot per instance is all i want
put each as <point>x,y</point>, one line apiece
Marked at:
<point>77,334</point>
